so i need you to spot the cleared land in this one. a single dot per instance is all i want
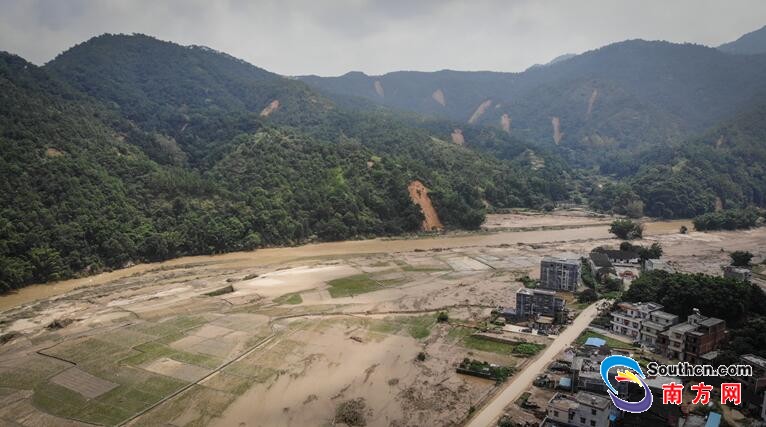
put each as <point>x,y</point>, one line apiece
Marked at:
<point>286,336</point>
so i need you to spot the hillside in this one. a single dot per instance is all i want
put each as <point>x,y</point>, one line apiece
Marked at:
<point>749,44</point>
<point>626,94</point>
<point>127,149</point>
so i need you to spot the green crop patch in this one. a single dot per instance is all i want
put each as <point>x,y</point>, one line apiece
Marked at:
<point>352,285</point>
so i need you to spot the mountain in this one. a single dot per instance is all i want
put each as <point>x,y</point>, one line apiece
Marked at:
<point>629,95</point>
<point>128,149</point>
<point>749,44</point>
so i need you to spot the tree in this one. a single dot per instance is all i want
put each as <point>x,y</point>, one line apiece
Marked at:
<point>741,258</point>
<point>442,317</point>
<point>587,295</point>
<point>626,229</point>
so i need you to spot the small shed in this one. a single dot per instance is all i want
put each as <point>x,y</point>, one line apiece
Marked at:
<point>595,342</point>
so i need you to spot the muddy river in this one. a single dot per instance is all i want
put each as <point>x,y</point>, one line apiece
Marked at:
<point>330,249</point>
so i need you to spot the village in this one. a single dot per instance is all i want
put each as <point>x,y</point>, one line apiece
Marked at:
<point>571,391</point>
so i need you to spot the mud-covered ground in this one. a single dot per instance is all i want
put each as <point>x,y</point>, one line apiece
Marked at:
<point>288,336</point>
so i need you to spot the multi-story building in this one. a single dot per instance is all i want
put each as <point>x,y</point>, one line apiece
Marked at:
<point>659,321</point>
<point>627,319</point>
<point>560,274</point>
<point>582,410</point>
<point>533,302</point>
<point>753,386</point>
<point>692,340</point>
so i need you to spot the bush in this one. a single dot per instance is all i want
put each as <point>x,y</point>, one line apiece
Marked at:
<point>626,229</point>
<point>741,258</point>
<point>442,317</point>
<point>587,295</point>
<point>352,412</point>
<point>684,229</point>
<point>422,356</point>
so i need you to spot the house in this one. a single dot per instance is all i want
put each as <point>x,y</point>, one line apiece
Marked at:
<point>531,303</point>
<point>658,264</point>
<point>659,321</point>
<point>693,340</point>
<point>627,319</point>
<point>625,258</point>
<point>582,409</point>
<point>737,273</point>
<point>560,274</point>
<point>753,386</point>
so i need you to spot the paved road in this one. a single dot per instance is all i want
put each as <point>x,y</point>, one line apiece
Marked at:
<point>521,381</point>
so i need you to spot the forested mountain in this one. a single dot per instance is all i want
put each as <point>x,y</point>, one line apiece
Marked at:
<point>127,148</point>
<point>751,43</point>
<point>629,95</point>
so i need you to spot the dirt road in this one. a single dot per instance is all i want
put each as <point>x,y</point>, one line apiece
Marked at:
<point>521,381</point>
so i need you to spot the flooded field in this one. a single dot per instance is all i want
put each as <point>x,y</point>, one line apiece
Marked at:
<point>570,228</point>
<point>294,336</point>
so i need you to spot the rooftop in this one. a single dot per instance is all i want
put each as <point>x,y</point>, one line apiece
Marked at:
<point>754,360</point>
<point>593,400</point>
<point>664,315</point>
<point>595,342</point>
<point>561,260</point>
<point>535,291</point>
<point>612,254</point>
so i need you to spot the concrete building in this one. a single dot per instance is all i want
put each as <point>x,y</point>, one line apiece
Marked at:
<point>692,340</point>
<point>737,273</point>
<point>627,319</point>
<point>659,321</point>
<point>538,302</point>
<point>753,387</point>
<point>582,410</point>
<point>658,264</point>
<point>560,274</point>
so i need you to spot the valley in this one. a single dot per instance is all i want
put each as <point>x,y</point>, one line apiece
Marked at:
<point>289,335</point>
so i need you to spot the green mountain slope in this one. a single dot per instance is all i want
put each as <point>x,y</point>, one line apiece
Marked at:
<point>625,94</point>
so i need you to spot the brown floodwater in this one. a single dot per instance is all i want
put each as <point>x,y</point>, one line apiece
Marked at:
<point>349,247</point>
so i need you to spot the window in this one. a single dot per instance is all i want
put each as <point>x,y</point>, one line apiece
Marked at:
<point>593,423</point>
<point>593,412</point>
<point>555,413</point>
<point>582,420</point>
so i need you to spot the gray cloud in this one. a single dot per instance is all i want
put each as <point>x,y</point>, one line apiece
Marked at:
<point>330,37</point>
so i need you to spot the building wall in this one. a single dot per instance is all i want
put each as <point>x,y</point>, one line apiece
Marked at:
<point>559,275</point>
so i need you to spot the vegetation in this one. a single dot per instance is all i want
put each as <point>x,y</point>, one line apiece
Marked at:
<point>730,219</point>
<point>352,285</point>
<point>293,299</point>
<point>500,373</point>
<point>626,229</point>
<point>587,295</point>
<point>654,251</point>
<point>741,258</point>
<point>352,413</point>
<point>442,317</point>
<point>112,154</point>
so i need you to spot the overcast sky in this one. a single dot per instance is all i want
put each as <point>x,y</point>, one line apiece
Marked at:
<point>331,37</point>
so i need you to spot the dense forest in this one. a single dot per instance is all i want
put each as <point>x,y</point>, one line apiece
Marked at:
<point>127,149</point>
